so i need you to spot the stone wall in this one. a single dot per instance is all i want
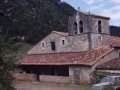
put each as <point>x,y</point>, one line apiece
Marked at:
<point>87,23</point>
<point>105,25</point>
<point>84,74</point>
<point>24,76</point>
<point>71,44</point>
<point>110,72</point>
<point>108,57</point>
<point>98,40</point>
<point>54,79</point>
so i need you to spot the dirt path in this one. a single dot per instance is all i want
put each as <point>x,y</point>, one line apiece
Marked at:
<point>43,86</point>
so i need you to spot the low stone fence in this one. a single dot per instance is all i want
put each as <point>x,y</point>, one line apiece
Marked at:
<point>24,76</point>
<point>109,72</point>
<point>55,79</point>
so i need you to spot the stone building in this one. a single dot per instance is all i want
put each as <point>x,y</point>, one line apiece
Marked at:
<point>71,57</point>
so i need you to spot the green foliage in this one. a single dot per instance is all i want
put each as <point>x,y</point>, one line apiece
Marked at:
<point>34,19</point>
<point>18,50</point>
<point>6,65</point>
<point>115,31</point>
<point>97,76</point>
<point>108,87</point>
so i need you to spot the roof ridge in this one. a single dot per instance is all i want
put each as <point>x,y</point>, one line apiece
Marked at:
<point>58,31</point>
<point>92,14</point>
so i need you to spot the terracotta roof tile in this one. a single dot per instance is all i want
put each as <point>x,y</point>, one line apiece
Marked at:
<point>111,65</point>
<point>115,41</point>
<point>71,58</point>
<point>61,33</point>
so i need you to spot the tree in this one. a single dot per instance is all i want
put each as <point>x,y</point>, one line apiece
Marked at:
<point>6,66</point>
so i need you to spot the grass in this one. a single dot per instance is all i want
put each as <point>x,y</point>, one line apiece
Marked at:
<point>51,86</point>
<point>81,87</point>
<point>18,51</point>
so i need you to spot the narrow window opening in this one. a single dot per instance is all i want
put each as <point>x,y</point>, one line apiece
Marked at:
<point>99,26</point>
<point>63,42</point>
<point>53,48</point>
<point>75,27</point>
<point>99,38</point>
<point>43,45</point>
<point>119,54</point>
<point>81,26</point>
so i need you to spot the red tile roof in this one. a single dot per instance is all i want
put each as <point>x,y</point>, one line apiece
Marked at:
<point>111,65</point>
<point>115,41</point>
<point>61,33</point>
<point>71,58</point>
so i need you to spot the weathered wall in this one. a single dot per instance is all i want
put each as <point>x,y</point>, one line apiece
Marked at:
<point>108,57</point>
<point>98,40</point>
<point>54,79</point>
<point>87,24</point>
<point>84,74</point>
<point>72,44</point>
<point>105,25</point>
<point>24,76</point>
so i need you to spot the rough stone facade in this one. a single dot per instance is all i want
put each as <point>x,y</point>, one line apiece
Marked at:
<point>98,40</point>
<point>75,42</point>
<point>55,79</point>
<point>84,74</point>
<point>105,25</point>
<point>90,26</point>
<point>24,77</point>
<point>87,23</point>
<point>71,44</point>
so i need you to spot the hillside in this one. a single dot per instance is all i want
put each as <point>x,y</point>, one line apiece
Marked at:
<point>115,31</point>
<point>17,50</point>
<point>34,19</point>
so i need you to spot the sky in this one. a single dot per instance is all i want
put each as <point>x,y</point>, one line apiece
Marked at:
<point>109,8</point>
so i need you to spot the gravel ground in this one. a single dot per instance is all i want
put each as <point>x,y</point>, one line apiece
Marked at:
<point>43,86</point>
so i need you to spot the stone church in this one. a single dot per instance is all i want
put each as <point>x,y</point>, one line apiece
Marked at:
<point>71,57</point>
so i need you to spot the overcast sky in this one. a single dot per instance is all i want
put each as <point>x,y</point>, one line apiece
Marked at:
<point>110,8</point>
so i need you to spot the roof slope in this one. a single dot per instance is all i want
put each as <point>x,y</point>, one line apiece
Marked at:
<point>111,65</point>
<point>94,15</point>
<point>73,58</point>
<point>115,41</point>
<point>61,33</point>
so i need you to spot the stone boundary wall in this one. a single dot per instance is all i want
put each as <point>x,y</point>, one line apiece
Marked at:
<point>111,72</point>
<point>55,79</point>
<point>24,76</point>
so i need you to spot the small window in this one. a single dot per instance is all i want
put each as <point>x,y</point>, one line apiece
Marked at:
<point>63,42</point>
<point>43,45</point>
<point>99,26</point>
<point>75,27</point>
<point>53,46</point>
<point>99,38</point>
<point>81,26</point>
<point>119,54</point>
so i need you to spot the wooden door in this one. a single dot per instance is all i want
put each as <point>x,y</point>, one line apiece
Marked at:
<point>77,76</point>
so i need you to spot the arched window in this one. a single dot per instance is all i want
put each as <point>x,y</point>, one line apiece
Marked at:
<point>75,27</point>
<point>81,26</point>
<point>99,26</point>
